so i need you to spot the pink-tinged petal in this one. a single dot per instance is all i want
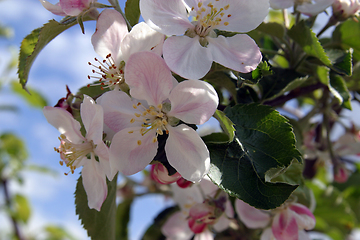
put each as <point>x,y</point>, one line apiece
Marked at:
<point>63,121</point>
<point>73,7</point>
<point>303,235</point>
<point>149,77</point>
<point>304,217</point>
<point>187,153</point>
<point>176,227</point>
<point>281,4</point>
<point>239,52</point>
<point>168,17</point>
<point>186,57</point>
<point>187,197</point>
<point>118,110</point>
<point>205,235</point>
<point>196,226</point>
<point>250,216</point>
<point>312,9</point>
<point>222,223</point>
<point>111,28</point>
<point>54,8</point>
<point>130,152</point>
<point>94,182</point>
<point>142,38</point>
<point>92,117</point>
<point>284,226</point>
<point>102,151</point>
<point>242,16</point>
<point>209,189</point>
<point>160,174</point>
<point>193,101</point>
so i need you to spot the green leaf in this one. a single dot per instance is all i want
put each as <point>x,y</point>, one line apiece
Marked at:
<point>132,11</point>
<point>31,96</point>
<point>122,219</point>
<point>341,60</point>
<point>306,38</point>
<point>222,79</point>
<point>22,208</point>
<point>338,85</point>
<point>347,35</point>
<point>233,170</point>
<point>13,147</point>
<point>272,28</point>
<point>99,225</point>
<point>57,233</point>
<point>226,125</point>
<point>266,136</point>
<point>33,43</point>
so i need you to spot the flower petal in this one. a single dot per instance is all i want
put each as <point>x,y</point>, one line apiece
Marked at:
<point>304,217</point>
<point>118,109</point>
<point>54,8</point>
<point>193,101</point>
<point>92,117</point>
<point>186,57</point>
<point>130,152</point>
<point>284,226</point>
<point>73,7</point>
<point>187,153</point>
<point>168,17</point>
<point>63,121</point>
<point>94,182</point>
<point>187,197</point>
<point>205,235</point>
<point>149,77</point>
<point>176,227</point>
<point>312,9</point>
<point>111,28</point>
<point>239,52</point>
<point>142,38</point>
<point>250,216</point>
<point>281,4</point>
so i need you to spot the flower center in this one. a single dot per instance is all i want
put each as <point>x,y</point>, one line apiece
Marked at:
<point>209,16</point>
<point>72,153</point>
<point>152,118</point>
<point>108,74</point>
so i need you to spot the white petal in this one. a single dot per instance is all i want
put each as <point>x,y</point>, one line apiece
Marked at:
<point>187,153</point>
<point>142,38</point>
<point>94,182</point>
<point>193,101</point>
<point>176,228</point>
<point>222,223</point>
<point>205,235</point>
<point>149,77</point>
<point>54,8</point>
<point>118,109</point>
<point>168,17</point>
<point>92,117</point>
<point>186,57</point>
<point>73,7</point>
<point>239,52</point>
<point>281,4</point>
<point>312,9</point>
<point>111,28</point>
<point>127,156</point>
<point>267,235</point>
<point>187,197</point>
<point>304,217</point>
<point>250,216</point>
<point>63,121</point>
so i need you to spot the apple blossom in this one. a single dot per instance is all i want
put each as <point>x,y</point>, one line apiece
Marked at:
<point>344,9</point>
<point>287,221</point>
<point>68,7</point>
<point>155,109</point>
<point>202,206</point>
<point>76,150</point>
<point>192,54</point>
<point>308,7</point>
<point>160,174</point>
<point>115,44</point>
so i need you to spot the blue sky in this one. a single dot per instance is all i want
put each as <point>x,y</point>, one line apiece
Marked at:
<point>63,61</point>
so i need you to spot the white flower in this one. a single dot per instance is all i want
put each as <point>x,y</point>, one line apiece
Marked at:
<point>308,7</point>
<point>192,54</point>
<point>76,150</point>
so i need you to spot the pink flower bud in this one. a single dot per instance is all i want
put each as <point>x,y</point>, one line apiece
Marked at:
<point>341,174</point>
<point>183,183</point>
<point>344,9</point>
<point>160,174</point>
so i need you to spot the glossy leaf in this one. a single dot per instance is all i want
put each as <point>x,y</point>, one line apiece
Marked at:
<point>132,11</point>
<point>347,35</point>
<point>122,219</point>
<point>99,225</point>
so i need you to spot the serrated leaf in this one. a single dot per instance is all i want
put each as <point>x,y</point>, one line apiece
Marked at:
<point>122,219</point>
<point>98,224</point>
<point>233,170</point>
<point>272,28</point>
<point>33,43</point>
<point>306,38</point>
<point>31,96</point>
<point>132,11</point>
<point>338,85</point>
<point>347,35</point>
<point>266,136</point>
<point>22,208</point>
<point>341,60</point>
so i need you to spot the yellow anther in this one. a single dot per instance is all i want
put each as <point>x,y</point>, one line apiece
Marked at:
<point>200,4</point>
<point>154,140</point>
<point>227,7</point>
<point>132,120</point>
<point>137,114</point>
<point>226,23</point>
<point>229,15</point>
<point>139,142</point>
<point>203,10</point>
<point>222,14</point>
<point>160,106</point>
<point>131,131</point>
<point>134,106</point>
<point>210,5</point>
